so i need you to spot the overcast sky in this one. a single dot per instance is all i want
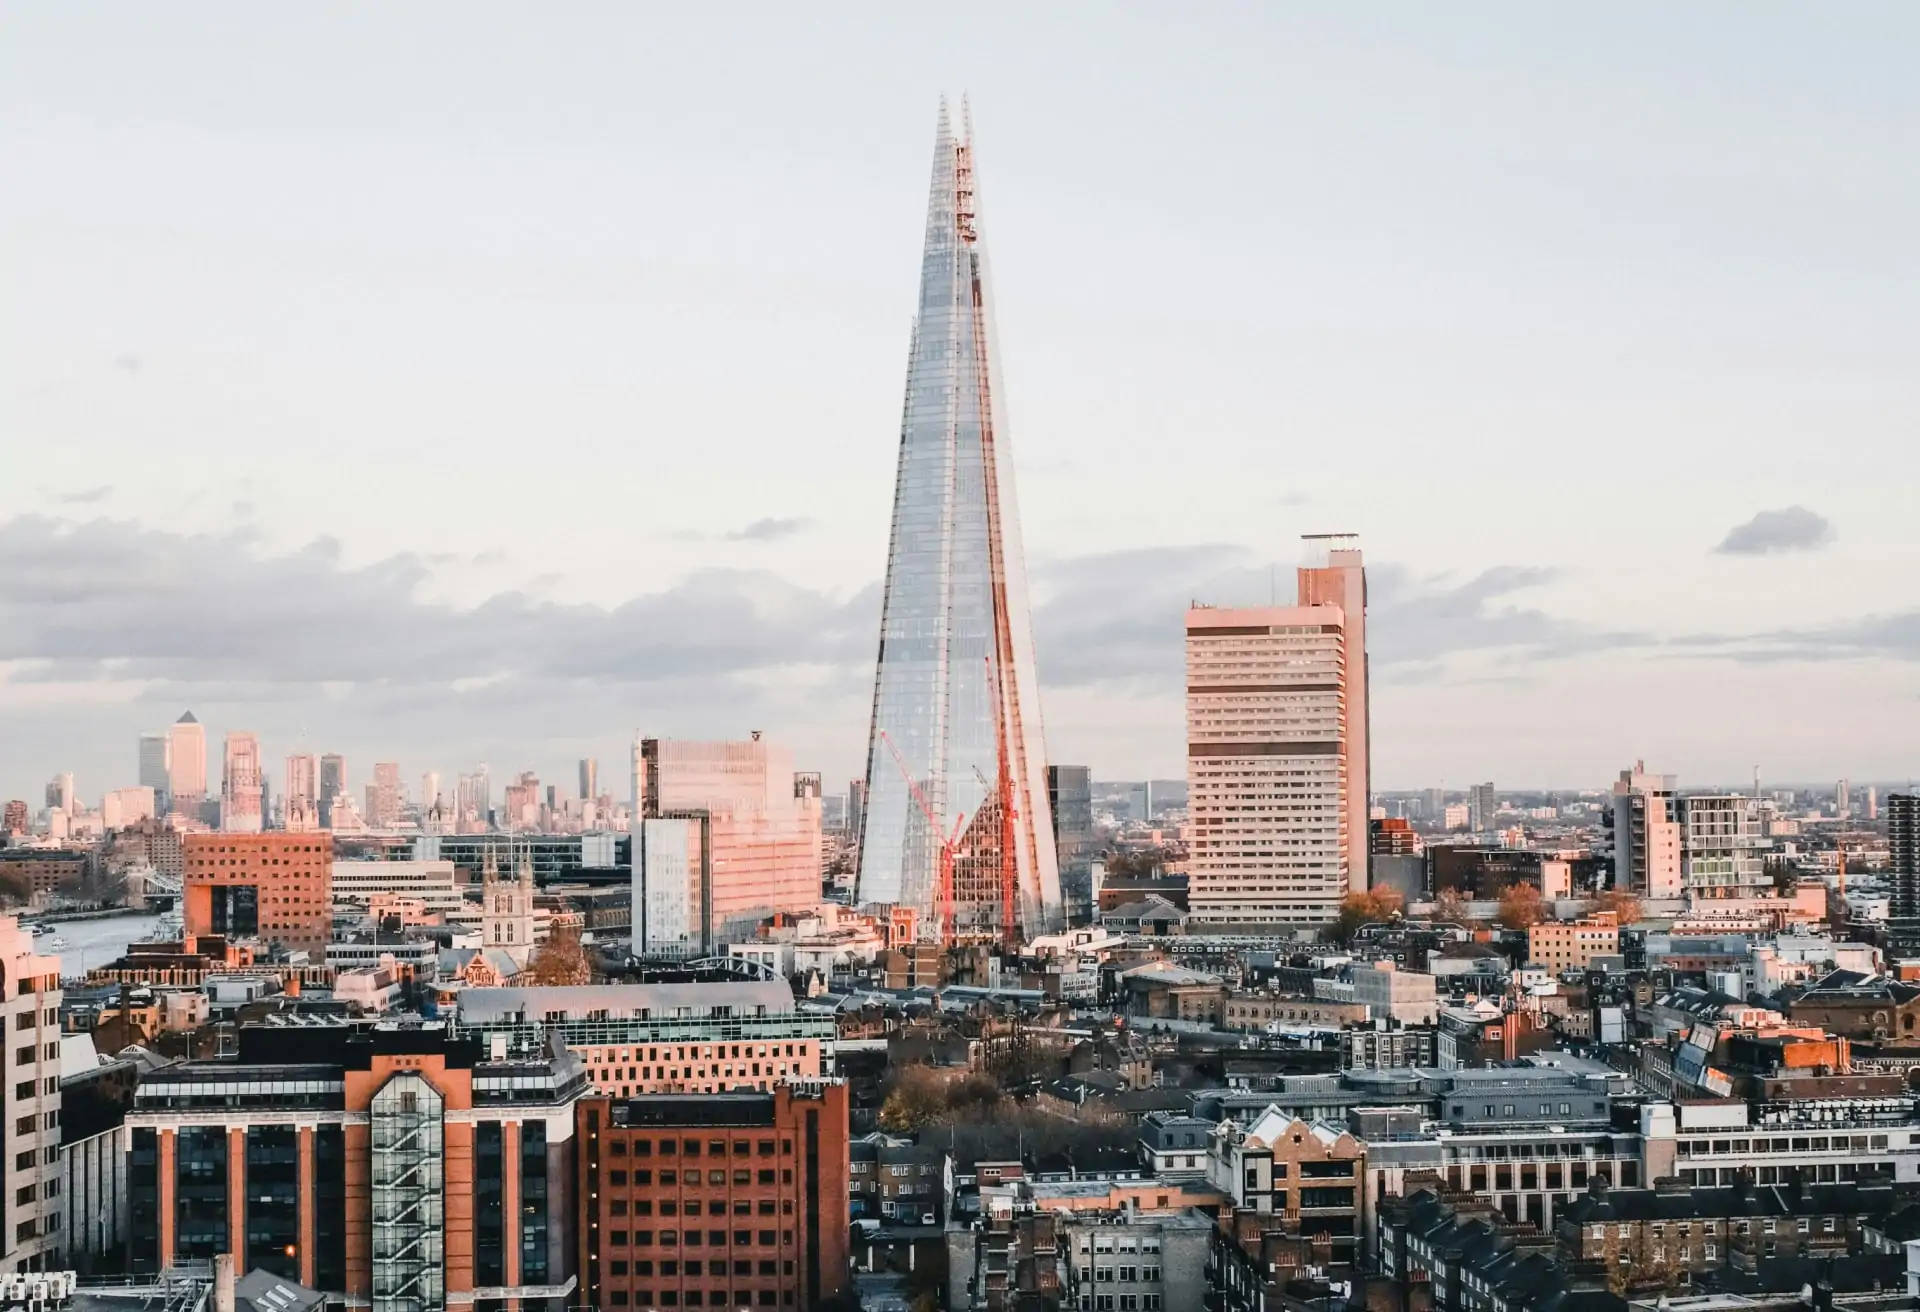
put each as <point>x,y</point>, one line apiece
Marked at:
<point>451,383</point>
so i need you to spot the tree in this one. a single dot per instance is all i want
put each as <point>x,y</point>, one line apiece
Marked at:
<point>917,1100</point>
<point>1521,908</point>
<point>1450,907</point>
<point>15,888</point>
<point>560,960</point>
<point>1358,909</point>
<point>1624,905</point>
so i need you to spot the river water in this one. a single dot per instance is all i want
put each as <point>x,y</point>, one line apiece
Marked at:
<point>93,943</point>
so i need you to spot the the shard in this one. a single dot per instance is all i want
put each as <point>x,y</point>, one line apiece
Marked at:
<point>956,823</point>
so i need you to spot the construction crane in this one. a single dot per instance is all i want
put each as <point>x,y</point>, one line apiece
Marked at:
<point>943,895</point>
<point>1009,869</point>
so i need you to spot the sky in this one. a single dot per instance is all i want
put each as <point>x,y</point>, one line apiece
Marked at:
<point>458,383</point>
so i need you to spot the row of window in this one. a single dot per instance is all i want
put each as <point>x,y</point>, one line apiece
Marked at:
<point>691,1178</point>
<point>693,1147</point>
<point>718,1266</point>
<point>717,1207</point>
<point>646,1298</point>
<point>1125,1274</point>
<point>691,1238</point>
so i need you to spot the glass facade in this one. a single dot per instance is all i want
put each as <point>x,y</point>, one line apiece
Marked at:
<point>143,1201</point>
<point>489,1219</point>
<point>200,1193</point>
<point>409,1269</point>
<point>273,1199</point>
<point>533,1203</point>
<point>956,712</point>
<point>330,1207</point>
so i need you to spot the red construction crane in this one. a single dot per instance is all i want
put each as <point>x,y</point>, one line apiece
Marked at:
<point>943,897</point>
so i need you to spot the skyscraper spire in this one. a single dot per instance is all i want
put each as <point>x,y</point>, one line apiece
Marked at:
<point>956,823</point>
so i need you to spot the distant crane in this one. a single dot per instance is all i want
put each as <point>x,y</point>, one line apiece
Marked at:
<point>943,895</point>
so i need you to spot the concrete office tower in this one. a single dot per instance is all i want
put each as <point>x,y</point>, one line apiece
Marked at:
<point>1482,806</point>
<point>429,791</point>
<point>30,1203</point>
<point>1267,760</point>
<point>472,803</point>
<point>385,796</point>
<point>589,779</point>
<point>241,794</point>
<point>725,834</point>
<point>1336,576</point>
<point>153,766</point>
<point>333,784</point>
<point>1873,802</point>
<point>1843,800</point>
<point>187,764</point>
<point>1647,835</point>
<point>60,792</point>
<point>123,807</point>
<point>956,761</point>
<point>301,808</point>
<point>1724,846</point>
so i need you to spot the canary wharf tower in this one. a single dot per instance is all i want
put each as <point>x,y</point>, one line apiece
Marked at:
<point>956,823</point>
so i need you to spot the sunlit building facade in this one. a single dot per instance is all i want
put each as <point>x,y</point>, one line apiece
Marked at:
<point>956,762</point>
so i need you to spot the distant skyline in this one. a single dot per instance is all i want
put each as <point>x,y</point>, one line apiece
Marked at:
<point>441,385</point>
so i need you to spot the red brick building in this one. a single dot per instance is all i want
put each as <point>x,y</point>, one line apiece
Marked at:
<point>277,886</point>
<point>730,1200</point>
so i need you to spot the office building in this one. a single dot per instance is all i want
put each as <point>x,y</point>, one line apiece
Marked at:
<point>30,1204</point>
<point>13,817</point>
<point>389,1166</point>
<point>385,796</point>
<point>589,779</point>
<point>241,793</point>
<point>473,802</point>
<point>1277,837</point>
<point>94,1102</point>
<point>153,767</point>
<point>187,765</point>
<point>274,886</point>
<point>1644,817</point>
<point>1482,806</point>
<point>127,806</point>
<point>333,786</point>
<point>60,792</point>
<point>735,1200</point>
<point>1724,846</point>
<point>1573,944</point>
<point>300,809</point>
<point>1843,800</point>
<point>955,821</point>
<point>659,1038</point>
<point>1076,846</point>
<point>724,835</point>
<point>434,884</point>
<point>1336,576</point>
<point>1903,863</point>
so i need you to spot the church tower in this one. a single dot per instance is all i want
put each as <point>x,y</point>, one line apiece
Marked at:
<point>506,919</point>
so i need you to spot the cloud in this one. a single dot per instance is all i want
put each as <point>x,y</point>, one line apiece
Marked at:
<point>87,496</point>
<point>109,600</point>
<point>1794,528</point>
<point>768,530</point>
<point>1116,617</point>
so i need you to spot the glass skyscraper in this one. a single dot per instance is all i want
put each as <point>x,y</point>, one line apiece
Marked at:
<point>956,821</point>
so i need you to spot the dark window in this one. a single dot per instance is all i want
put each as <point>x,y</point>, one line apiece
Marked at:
<point>489,1218</point>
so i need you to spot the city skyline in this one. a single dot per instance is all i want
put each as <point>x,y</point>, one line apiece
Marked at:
<point>1530,330</point>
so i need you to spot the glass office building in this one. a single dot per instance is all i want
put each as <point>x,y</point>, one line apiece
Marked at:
<point>956,763</point>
